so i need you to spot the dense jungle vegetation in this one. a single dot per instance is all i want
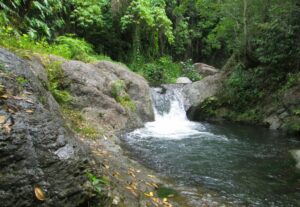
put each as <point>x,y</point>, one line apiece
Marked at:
<point>256,41</point>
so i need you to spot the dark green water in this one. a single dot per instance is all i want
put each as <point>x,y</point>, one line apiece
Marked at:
<point>251,166</point>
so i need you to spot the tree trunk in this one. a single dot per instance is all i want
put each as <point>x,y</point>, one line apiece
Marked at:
<point>136,46</point>
<point>245,21</point>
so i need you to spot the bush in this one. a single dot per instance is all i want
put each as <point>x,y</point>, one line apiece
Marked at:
<point>68,47</point>
<point>188,70</point>
<point>163,70</point>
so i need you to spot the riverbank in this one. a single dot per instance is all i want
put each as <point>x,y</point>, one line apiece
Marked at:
<point>59,121</point>
<point>219,97</point>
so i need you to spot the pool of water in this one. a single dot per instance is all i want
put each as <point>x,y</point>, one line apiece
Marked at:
<point>249,165</point>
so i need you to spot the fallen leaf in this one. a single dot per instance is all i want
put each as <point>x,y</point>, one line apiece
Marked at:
<point>150,194</point>
<point>29,101</point>
<point>4,96</point>
<point>131,173</point>
<point>29,111</point>
<point>2,119</point>
<point>6,128</point>
<point>39,194</point>
<point>151,176</point>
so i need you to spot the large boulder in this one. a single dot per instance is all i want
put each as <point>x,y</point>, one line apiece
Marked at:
<point>36,151</point>
<point>205,70</point>
<point>91,84</point>
<point>197,92</point>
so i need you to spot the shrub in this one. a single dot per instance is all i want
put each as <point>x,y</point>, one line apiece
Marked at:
<point>163,70</point>
<point>188,70</point>
<point>68,47</point>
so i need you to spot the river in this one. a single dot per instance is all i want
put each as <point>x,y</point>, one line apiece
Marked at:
<point>250,166</point>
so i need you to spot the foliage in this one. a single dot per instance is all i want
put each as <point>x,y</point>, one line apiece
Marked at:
<point>65,46</point>
<point>79,124</point>
<point>118,91</point>
<point>147,17</point>
<point>97,183</point>
<point>188,70</point>
<point>163,70</point>
<point>292,125</point>
<point>78,49</point>
<point>21,80</point>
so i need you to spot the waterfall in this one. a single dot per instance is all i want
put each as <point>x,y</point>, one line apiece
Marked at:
<point>170,117</point>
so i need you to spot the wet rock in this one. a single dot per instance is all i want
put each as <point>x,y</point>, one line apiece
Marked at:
<point>273,121</point>
<point>37,150</point>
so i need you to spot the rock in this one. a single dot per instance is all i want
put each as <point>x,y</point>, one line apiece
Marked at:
<point>273,122</point>
<point>91,88</point>
<point>205,70</point>
<point>37,150</point>
<point>183,80</point>
<point>197,92</point>
<point>296,156</point>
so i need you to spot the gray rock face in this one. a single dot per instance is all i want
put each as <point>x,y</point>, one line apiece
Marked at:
<point>197,92</point>
<point>35,148</point>
<point>205,70</point>
<point>91,88</point>
<point>273,121</point>
<point>183,80</point>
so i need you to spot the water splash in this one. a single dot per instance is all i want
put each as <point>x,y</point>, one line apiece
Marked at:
<point>170,118</point>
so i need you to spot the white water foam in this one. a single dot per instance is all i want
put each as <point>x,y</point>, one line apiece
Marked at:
<point>170,119</point>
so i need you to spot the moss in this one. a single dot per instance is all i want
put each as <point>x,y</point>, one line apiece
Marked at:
<point>118,91</point>
<point>58,83</point>
<point>79,124</point>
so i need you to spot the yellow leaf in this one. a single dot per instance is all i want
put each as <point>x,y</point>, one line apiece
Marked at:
<point>165,200</point>
<point>151,176</point>
<point>2,119</point>
<point>29,111</point>
<point>6,128</point>
<point>39,194</point>
<point>4,96</point>
<point>150,194</point>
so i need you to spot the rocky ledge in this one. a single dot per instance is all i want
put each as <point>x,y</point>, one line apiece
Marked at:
<point>36,151</point>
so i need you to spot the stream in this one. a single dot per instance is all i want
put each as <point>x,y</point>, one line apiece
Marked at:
<point>250,166</point>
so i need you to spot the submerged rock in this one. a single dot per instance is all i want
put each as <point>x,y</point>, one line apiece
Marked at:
<point>36,151</point>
